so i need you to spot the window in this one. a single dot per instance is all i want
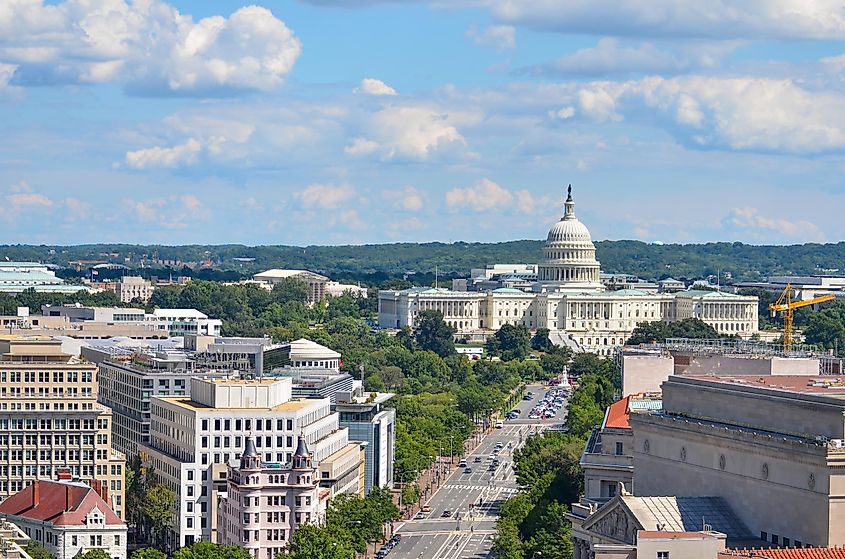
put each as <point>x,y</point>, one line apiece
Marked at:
<point>618,449</point>
<point>775,539</point>
<point>785,542</point>
<point>764,536</point>
<point>117,539</point>
<point>662,555</point>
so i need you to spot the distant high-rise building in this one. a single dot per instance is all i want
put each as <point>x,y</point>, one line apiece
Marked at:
<point>131,288</point>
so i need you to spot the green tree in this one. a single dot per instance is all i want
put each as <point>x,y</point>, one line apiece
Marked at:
<point>95,554</point>
<point>510,342</point>
<point>433,334</point>
<point>157,509</point>
<point>318,542</point>
<point>36,550</point>
<point>541,341</point>
<point>649,332</point>
<point>554,363</point>
<point>826,328</point>
<point>146,553</point>
<point>290,289</point>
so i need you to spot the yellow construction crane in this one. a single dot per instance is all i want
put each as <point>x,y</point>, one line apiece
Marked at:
<point>786,305</point>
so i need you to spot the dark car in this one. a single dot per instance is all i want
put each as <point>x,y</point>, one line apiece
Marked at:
<point>467,470</point>
<point>446,513</point>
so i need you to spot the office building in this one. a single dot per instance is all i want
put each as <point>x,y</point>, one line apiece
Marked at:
<point>134,288</point>
<point>68,518</point>
<point>130,377</point>
<point>772,447</point>
<point>50,420</point>
<point>374,425</point>
<point>184,322</point>
<point>192,439</point>
<point>266,502</point>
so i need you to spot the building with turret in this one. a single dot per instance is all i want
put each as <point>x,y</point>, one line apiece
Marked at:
<point>569,299</point>
<point>194,438</point>
<point>266,501</point>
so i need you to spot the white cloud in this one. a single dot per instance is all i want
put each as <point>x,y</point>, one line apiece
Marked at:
<point>370,86</point>
<point>564,113</point>
<point>29,199</point>
<point>749,220</point>
<point>147,45</point>
<point>361,146</point>
<point>408,199</point>
<point>609,57</point>
<point>170,212</point>
<point>485,195</point>
<point>500,37</point>
<point>756,114</point>
<point>411,131</point>
<point>325,196</point>
<point>183,154</point>
<point>766,19</point>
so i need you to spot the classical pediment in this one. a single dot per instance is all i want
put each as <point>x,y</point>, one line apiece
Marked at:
<point>613,522</point>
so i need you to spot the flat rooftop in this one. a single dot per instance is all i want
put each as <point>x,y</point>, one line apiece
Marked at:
<point>294,404</point>
<point>795,384</point>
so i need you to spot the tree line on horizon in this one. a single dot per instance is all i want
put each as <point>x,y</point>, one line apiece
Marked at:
<point>375,264</point>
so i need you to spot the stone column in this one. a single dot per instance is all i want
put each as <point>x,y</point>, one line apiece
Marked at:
<point>576,548</point>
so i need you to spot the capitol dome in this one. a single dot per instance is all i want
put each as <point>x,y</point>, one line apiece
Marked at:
<point>569,255</point>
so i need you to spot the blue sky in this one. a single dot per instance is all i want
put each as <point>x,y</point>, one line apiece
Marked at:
<point>359,121</point>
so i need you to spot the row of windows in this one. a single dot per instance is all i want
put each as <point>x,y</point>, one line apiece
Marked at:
<point>30,377</point>
<point>260,424</point>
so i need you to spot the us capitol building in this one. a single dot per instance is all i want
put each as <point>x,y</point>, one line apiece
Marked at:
<point>569,299</point>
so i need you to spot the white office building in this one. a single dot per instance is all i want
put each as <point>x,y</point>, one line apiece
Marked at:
<point>192,439</point>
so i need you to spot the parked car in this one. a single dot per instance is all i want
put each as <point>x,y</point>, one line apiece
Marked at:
<point>467,470</point>
<point>426,508</point>
<point>446,513</point>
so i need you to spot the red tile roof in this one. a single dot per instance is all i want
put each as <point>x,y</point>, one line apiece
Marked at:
<point>57,502</point>
<point>617,415</point>
<point>790,553</point>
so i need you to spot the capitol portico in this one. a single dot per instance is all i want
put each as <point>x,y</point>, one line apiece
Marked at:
<point>569,297</point>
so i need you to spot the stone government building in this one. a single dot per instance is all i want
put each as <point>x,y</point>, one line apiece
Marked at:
<point>568,298</point>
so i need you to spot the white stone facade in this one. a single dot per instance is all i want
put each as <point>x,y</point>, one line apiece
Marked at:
<point>570,297</point>
<point>192,439</point>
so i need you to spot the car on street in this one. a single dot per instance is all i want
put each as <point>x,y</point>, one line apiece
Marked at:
<point>462,463</point>
<point>492,456</point>
<point>446,513</point>
<point>500,425</point>
<point>420,516</point>
<point>467,470</point>
<point>477,459</point>
<point>426,508</point>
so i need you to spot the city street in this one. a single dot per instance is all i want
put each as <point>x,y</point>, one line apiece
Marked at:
<point>468,532</point>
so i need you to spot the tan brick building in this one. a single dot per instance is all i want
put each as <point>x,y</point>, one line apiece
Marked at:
<point>50,420</point>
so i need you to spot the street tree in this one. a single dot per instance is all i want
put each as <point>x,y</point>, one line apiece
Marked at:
<point>433,334</point>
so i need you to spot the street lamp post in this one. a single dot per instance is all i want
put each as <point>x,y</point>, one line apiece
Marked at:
<point>451,455</point>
